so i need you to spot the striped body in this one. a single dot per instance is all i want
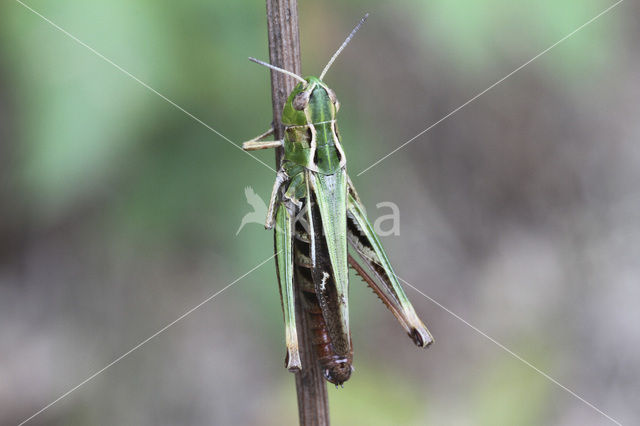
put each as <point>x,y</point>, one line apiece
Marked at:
<point>316,164</point>
<point>316,213</point>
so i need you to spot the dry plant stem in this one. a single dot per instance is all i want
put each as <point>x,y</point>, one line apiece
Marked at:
<point>284,52</point>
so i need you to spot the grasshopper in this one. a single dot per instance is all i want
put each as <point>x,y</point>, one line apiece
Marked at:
<point>317,213</point>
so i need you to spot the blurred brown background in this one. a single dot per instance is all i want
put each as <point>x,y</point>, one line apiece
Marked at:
<point>520,213</point>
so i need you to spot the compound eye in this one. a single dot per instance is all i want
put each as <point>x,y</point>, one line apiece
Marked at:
<point>333,98</point>
<point>301,100</point>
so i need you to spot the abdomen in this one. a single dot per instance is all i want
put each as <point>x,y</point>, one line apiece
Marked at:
<point>335,368</point>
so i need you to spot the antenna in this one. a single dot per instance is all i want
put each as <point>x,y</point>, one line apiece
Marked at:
<point>273,67</point>
<point>347,40</point>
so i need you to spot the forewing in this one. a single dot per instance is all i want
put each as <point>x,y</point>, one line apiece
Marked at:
<point>328,212</point>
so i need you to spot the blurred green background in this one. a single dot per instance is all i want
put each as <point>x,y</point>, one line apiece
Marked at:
<point>520,213</point>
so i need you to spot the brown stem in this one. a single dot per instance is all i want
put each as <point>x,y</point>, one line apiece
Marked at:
<point>284,52</point>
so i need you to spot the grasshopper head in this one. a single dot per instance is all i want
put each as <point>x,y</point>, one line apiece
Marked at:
<point>312,100</point>
<point>311,94</point>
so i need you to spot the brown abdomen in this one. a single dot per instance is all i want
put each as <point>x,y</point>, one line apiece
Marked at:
<point>335,368</point>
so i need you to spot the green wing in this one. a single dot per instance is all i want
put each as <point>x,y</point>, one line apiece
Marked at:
<point>328,213</point>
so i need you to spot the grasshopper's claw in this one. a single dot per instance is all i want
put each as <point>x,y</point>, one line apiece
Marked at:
<point>292,360</point>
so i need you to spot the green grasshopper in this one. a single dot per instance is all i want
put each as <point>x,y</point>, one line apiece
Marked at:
<point>316,213</point>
